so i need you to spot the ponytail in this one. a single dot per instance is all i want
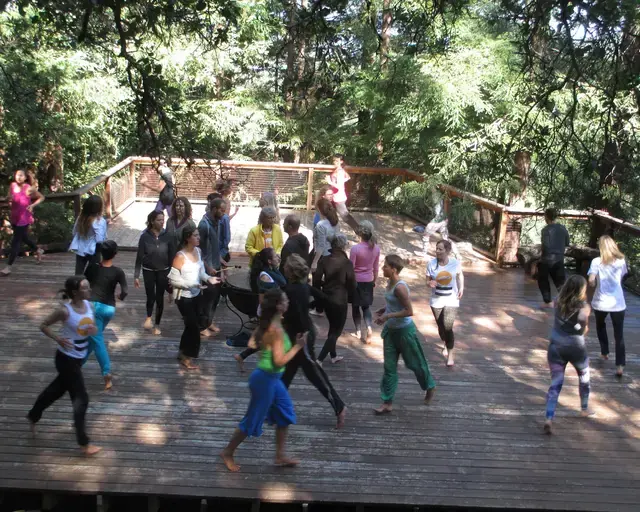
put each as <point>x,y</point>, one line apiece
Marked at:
<point>71,285</point>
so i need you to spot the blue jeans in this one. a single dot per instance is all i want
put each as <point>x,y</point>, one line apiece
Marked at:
<point>103,315</point>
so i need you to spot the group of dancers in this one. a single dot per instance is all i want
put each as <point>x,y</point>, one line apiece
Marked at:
<point>190,261</point>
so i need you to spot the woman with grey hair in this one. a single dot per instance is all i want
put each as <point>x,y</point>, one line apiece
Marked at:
<point>337,280</point>
<point>267,234</point>
<point>365,258</point>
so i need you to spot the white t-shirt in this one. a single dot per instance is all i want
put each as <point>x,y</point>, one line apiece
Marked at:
<point>609,295</point>
<point>446,291</point>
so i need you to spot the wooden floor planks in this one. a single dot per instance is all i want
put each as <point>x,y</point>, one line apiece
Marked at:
<point>479,444</point>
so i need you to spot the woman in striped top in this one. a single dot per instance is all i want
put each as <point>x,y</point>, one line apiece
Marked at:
<point>73,343</point>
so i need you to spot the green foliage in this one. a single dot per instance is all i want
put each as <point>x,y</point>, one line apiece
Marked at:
<point>54,222</point>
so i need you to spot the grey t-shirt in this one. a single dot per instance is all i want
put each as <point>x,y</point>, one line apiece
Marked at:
<point>555,238</point>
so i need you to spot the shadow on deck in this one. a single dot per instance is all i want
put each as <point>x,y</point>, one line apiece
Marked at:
<point>480,443</point>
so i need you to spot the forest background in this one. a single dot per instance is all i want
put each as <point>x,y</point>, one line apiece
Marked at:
<point>531,102</point>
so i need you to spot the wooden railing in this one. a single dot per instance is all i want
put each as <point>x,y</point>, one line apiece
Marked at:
<point>124,183</point>
<point>509,215</point>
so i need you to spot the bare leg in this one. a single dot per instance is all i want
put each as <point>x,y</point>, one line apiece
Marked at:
<point>227,454</point>
<point>281,459</point>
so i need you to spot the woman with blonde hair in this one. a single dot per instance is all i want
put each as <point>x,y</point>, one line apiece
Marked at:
<point>606,274</point>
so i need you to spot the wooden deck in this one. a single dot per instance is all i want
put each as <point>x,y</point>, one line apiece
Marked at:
<point>480,443</point>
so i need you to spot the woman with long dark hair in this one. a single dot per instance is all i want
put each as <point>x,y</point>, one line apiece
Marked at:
<point>180,219</point>
<point>24,197</point>
<point>188,277</point>
<point>365,258</point>
<point>89,231</point>
<point>77,319</point>
<point>270,399</point>
<point>323,233</point>
<point>156,250</point>
<point>567,345</point>
<point>264,276</point>
<point>606,274</point>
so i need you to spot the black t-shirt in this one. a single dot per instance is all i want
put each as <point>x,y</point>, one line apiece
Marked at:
<point>103,282</point>
<point>296,244</point>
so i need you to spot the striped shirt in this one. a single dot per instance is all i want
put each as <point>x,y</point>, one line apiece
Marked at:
<point>446,291</point>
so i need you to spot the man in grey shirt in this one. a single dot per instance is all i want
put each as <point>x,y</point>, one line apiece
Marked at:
<point>555,238</point>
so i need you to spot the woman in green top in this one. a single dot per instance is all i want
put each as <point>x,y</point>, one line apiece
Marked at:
<point>270,399</point>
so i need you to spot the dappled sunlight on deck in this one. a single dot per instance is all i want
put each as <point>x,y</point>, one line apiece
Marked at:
<point>479,443</point>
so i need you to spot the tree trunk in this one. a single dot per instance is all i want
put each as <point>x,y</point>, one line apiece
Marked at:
<point>522,164</point>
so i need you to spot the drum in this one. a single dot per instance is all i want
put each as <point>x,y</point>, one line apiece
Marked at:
<point>237,291</point>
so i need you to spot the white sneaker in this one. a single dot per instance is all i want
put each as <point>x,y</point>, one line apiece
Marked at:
<point>336,359</point>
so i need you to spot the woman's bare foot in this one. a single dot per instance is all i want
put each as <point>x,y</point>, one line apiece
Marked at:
<point>336,359</point>
<point>450,362</point>
<point>90,449</point>
<point>547,427</point>
<point>227,458</point>
<point>286,462</point>
<point>38,255</point>
<point>604,357</point>
<point>341,417</point>
<point>383,409</point>
<point>587,413</point>
<point>156,331</point>
<point>213,328</point>
<point>148,324</point>
<point>369,335</point>
<point>240,362</point>
<point>357,334</point>
<point>620,371</point>
<point>206,333</point>
<point>108,382</point>
<point>445,352</point>
<point>5,271</point>
<point>429,395</point>
<point>188,364</point>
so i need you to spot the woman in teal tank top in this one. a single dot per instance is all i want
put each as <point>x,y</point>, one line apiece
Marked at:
<point>400,337</point>
<point>270,399</point>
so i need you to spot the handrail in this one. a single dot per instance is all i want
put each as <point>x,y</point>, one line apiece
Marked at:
<point>284,166</point>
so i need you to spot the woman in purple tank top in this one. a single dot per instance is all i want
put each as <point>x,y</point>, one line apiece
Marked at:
<point>24,197</point>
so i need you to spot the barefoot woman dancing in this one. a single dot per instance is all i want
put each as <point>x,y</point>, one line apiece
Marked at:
<point>400,337</point>
<point>73,342</point>
<point>270,399</point>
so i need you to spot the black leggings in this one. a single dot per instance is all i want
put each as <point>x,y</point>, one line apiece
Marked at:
<point>445,317</point>
<point>617,319</point>
<point>558,275</point>
<point>20,235</point>
<point>306,359</point>
<point>155,284</point>
<point>82,262</point>
<point>337,316</point>
<point>69,379</point>
<point>190,340</point>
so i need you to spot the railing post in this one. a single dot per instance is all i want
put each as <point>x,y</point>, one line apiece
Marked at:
<point>107,197</point>
<point>132,180</point>
<point>502,235</point>
<point>77,206</point>
<point>310,189</point>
